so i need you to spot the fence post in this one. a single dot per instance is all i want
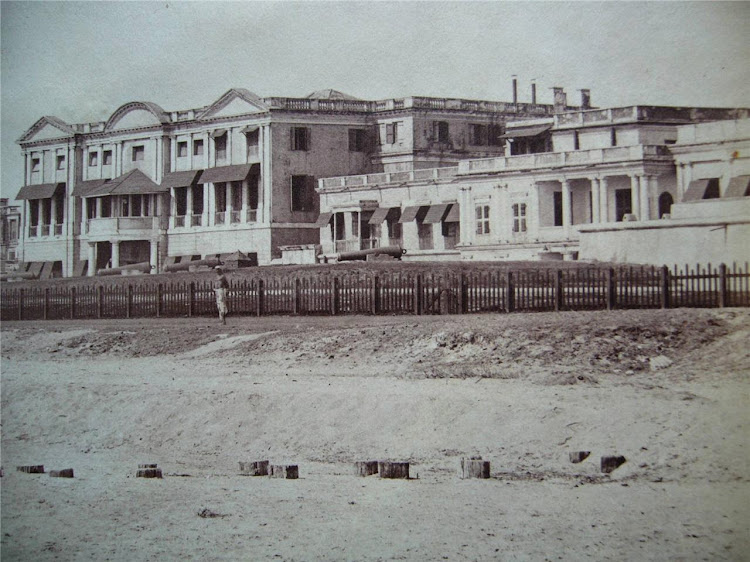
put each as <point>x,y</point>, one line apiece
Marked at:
<point>463,292</point>
<point>99,301</point>
<point>191,298</point>
<point>72,303</point>
<point>723,293</point>
<point>376,295</point>
<point>665,287</point>
<point>559,290</point>
<point>259,298</point>
<point>129,301</point>
<point>335,296</point>
<point>611,289</point>
<point>418,294</point>
<point>20,304</point>
<point>158,299</point>
<point>510,292</point>
<point>297,295</point>
<point>46,304</point>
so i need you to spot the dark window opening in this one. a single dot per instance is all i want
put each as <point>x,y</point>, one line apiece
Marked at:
<point>253,184</point>
<point>106,206</point>
<point>576,141</point>
<point>665,204</point>
<point>198,147</point>
<point>441,131</point>
<point>60,162</point>
<point>197,199</point>
<point>180,196</point>
<point>182,149</point>
<point>519,217</point>
<point>220,192</point>
<point>424,230</point>
<point>107,158</point>
<point>558,208</point>
<point>138,152</point>
<point>93,158</point>
<point>623,204</point>
<point>357,140</point>
<point>303,193</point>
<point>613,137</point>
<point>300,138</point>
<point>479,135</point>
<point>34,211</point>
<point>220,145</point>
<point>35,164</point>
<point>712,189</point>
<point>391,133</point>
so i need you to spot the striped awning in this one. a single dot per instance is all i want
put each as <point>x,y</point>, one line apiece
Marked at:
<point>739,186</point>
<point>527,131</point>
<point>409,214</point>
<point>323,219</point>
<point>454,214</point>
<point>695,190</point>
<point>379,215</point>
<point>180,179</point>
<point>39,191</point>
<point>436,213</point>
<point>226,173</point>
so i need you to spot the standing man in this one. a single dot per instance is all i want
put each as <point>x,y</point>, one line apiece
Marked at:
<point>220,286</point>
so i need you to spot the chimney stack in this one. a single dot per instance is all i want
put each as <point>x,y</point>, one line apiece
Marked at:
<point>586,99</point>
<point>560,99</point>
<point>515,89</point>
<point>533,92</point>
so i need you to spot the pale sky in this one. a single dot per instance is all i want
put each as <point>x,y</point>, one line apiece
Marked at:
<point>81,61</point>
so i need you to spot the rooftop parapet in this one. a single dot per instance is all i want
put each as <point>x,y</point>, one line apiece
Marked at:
<point>716,131</point>
<point>645,113</point>
<point>367,181</point>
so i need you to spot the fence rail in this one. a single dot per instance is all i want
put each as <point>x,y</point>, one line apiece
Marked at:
<point>492,289</point>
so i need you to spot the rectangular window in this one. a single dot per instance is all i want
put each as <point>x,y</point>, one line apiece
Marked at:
<point>558,210</point>
<point>35,164</point>
<point>519,217</point>
<point>93,158</point>
<point>479,135</point>
<point>125,206</point>
<point>424,231</point>
<point>441,131</point>
<point>483,219</point>
<point>391,133</point>
<point>138,153</point>
<point>107,158</point>
<point>253,143</point>
<point>182,149</point>
<point>357,140</point>
<point>136,205</point>
<point>60,162</point>
<point>613,135</point>
<point>303,193</point>
<point>495,135</point>
<point>220,145</point>
<point>198,147</point>
<point>623,204</point>
<point>576,141</point>
<point>300,138</point>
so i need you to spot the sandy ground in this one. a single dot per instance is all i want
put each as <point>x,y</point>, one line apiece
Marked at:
<point>521,390</point>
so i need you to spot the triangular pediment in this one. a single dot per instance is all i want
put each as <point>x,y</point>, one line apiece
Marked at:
<point>234,102</point>
<point>47,128</point>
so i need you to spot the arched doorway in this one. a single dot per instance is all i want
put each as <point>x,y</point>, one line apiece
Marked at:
<point>665,203</point>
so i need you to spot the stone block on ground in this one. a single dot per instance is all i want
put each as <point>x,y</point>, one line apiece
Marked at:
<point>578,456</point>
<point>31,469</point>
<point>150,472</point>
<point>475,467</point>
<point>393,469</point>
<point>147,465</point>
<point>610,463</point>
<point>288,471</point>
<point>255,468</point>
<point>63,473</point>
<point>366,468</point>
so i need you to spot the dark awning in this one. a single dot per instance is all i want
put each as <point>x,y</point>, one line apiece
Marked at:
<point>250,129</point>
<point>218,133</point>
<point>409,214</point>
<point>39,191</point>
<point>323,219</point>
<point>436,213</point>
<point>739,186</point>
<point>180,179</point>
<point>379,215</point>
<point>695,191</point>
<point>225,173</point>
<point>133,183</point>
<point>454,215</point>
<point>83,188</point>
<point>528,131</point>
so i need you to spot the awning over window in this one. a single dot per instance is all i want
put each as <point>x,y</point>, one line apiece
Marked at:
<point>250,129</point>
<point>218,133</point>
<point>323,219</point>
<point>379,215</point>
<point>180,179</point>
<point>225,173</point>
<point>454,214</point>
<point>529,131</point>
<point>738,187</point>
<point>436,213</point>
<point>83,188</point>
<point>695,191</point>
<point>39,191</point>
<point>133,183</point>
<point>409,214</point>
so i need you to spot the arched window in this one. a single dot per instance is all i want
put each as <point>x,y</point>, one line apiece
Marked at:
<point>665,203</point>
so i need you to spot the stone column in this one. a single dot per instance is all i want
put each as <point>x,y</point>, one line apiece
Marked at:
<point>266,177</point>
<point>645,209</point>
<point>348,230</point>
<point>245,197</point>
<point>99,204</point>
<point>635,195</point>
<point>468,222</point>
<point>603,200</point>
<point>207,202</point>
<point>154,256</point>
<point>173,154</point>
<point>115,253</point>
<point>92,259</point>
<point>499,227</point>
<point>190,151</point>
<point>229,146</point>
<point>100,161</point>
<point>566,207</point>
<point>595,204</point>
<point>189,209</point>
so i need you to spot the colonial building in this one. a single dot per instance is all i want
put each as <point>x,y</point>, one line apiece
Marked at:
<point>561,175</point>
<point>154,186</point>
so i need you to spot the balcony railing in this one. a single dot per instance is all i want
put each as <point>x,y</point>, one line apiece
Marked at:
<point>235,217</point>
<point>58,229</point>
<point>115,225</point>
<point>252,215</point>
<point>45,230</point>
<point>179,221</point>
<point>196,220</point>
<point>33,231</point>
<point>370,180</point>
<point>220,217</point>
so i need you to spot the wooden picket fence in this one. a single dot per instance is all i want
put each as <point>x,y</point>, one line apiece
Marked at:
<point>490,289</point>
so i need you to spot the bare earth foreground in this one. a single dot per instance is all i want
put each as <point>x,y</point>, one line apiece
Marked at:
<point>521,390</point>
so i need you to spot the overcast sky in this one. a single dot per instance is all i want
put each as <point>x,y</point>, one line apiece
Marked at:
<point>81,61</point>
